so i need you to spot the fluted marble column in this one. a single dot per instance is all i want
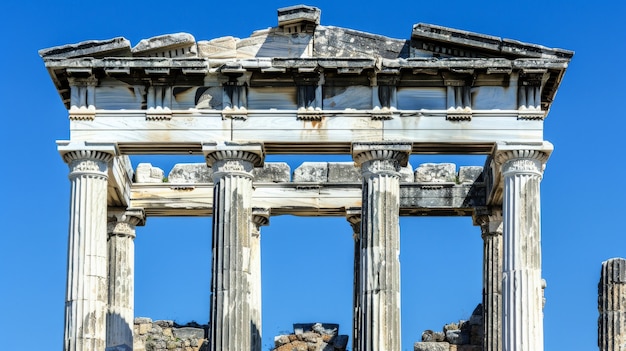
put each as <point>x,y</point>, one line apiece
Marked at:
<point>612,305</point>
<point>231,318</point>
<point>522,323</point>
<point>260,217</point>
<point>86,296</point>
<point>354,217</point>
<point>379,293</point>
<point>491,228</point>
<point>121,229</point>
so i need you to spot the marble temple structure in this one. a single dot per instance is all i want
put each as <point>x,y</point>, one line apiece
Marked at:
<point>303,88</point>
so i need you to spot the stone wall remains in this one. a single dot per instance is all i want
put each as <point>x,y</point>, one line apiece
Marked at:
<point>461,336</point>
<point>163,335</point>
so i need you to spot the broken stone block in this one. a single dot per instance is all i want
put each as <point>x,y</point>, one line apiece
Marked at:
<point>431,346</point>
<point>168,45</point>
<point>190,173</point>
<point>188,333</point>
<point>311,172</point>
<point>145,173</point>
<point>343,172</point>
<point>436,173</point>
<point>469,174</point>
<point>92,48</point>
<point>298,13</point>
<point>457,337</point>
<point>224,47</point>
<point>406,174</point>
<point>272,172</point>
<point>433,336</point>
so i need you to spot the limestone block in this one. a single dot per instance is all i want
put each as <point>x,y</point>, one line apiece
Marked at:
<point>273,172</point>
<point>188,333</point>
<point>224,47</point>
<point>93,48</point>
<point>281,340</point>
<point>431,346</point>
<point>433,336</point>
<point>344,172</point>
<point>469,174</point>
<point>145,173</point>
<point>457,337</point>
<point>298,13</point>
<point>168,45</point>
<point>436,173</point>
<point>190,173</point>
<point>406,174</point>
<point>311,172</point>
<point>469,348</point>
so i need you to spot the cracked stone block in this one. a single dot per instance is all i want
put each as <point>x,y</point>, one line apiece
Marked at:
<point>406,174</point>
<point>145,173</point>
<point>431,346</point>
<point>469,174</point>
<point>344,172</point>
<point>436,173</point>
<point>190,173</point>
<point>273,172</point>
<point>311,172</point>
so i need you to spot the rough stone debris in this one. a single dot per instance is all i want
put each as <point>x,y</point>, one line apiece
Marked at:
<point>165,335</point>
<point>312,337</point>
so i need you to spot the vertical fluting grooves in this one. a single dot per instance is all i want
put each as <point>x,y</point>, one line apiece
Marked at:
<point>87,291</point>
<point>230,299</point>
<point>121,284</point>
<point>492,283</point>
<point>612,305</point>
<point>522,287</point>
<point>380,265</point>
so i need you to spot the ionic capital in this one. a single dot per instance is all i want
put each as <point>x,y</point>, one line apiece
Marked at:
<point>87,159</point>
<point>229,158</point>
<point>260,216</point>
<point>353,216</point>
<point>518,159</point>
<point>123,222</point>
<point>491,223</point>
<point>381,157</point>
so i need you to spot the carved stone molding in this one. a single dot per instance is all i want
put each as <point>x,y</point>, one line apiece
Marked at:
<point>490,223</point>
<point>260,216</point>
<point>88,162</point>
<point>233,158</point>
<point>398,152</point>
<point>123,223</point>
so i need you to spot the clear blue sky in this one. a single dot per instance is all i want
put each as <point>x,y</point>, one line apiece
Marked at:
<point>307,262</point>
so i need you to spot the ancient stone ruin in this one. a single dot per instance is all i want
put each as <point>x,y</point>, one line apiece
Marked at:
<point>304,88</point>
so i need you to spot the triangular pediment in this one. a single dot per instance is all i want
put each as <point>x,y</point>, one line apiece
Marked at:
<point>438,41</point>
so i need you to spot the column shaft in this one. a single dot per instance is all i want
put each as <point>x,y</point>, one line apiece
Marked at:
<point>354,217</point>
<point>231,327</point>
<point>86,296</point>
<point>121,229</point>
<point>260,217</point>
<point>612,305</point>
<point>492,281</point>
<point>380,245</point>
<point>522,284</point>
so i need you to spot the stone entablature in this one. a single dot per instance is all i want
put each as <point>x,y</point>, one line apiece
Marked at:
<point>295,83</point>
